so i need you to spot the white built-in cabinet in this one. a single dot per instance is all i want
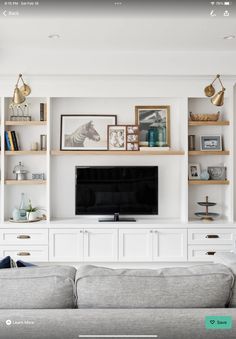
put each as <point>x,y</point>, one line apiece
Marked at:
<point>140,245</point>
<point>152,245</point>
<point>83,245</point>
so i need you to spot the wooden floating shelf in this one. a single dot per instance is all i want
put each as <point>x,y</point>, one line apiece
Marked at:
<point>208,153</point>
<point>25,152</point>
<point>208,182</point>
<point>208,123</point>
<point>57,152</point>
<point>25,182</point>
<point>25,123</point>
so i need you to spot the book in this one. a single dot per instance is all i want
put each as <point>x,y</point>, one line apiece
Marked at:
<point>154,149</point>
<point>7,142</point>
<point>11,141</point>
<point>14,139</point>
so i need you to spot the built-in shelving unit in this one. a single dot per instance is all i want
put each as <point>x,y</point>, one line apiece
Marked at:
<point>218,191</point>
<point>25,182</point>
<point>208,123</point>
<point>206,153</point>
<point>129,153</point>
<point>25,123</point>
<point>18,153</point>
<point>208,182</point>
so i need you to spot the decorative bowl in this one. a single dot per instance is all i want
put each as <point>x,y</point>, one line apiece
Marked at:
<point>204,116</point>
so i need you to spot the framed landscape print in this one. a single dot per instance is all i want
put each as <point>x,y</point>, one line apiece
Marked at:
<point>153,117</point>
<point>116,139</point>
<point>85,131</point>
<point>211,143</point>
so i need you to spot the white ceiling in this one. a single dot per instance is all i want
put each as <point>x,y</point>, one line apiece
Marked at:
<point>117,34</point>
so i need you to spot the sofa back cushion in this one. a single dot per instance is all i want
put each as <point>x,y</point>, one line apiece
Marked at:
<point>199,286</point>
<point>229,260</point>
<point>37,287</point>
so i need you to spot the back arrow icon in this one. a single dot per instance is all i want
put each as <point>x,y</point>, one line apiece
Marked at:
<point>5,13</point>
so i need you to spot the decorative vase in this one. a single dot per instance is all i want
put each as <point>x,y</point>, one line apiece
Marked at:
<point>16,214</point>
<point>22,207</point>
<point>152,137</point>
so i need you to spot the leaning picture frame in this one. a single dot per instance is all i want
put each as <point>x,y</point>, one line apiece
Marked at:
<point>85,131</point>
<point>194,171</point>
<point>116,137</point>
<point>157,117</point>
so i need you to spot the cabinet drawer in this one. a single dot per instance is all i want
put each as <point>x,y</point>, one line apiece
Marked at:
<point>23,236</point>
<point>212,236</point>
<point>206,252</point>
<point>25,253</point>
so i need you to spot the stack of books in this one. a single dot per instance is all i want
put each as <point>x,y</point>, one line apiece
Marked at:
<point>11,141</point>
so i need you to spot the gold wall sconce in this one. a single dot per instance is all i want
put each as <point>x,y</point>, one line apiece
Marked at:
<point>218,98</point>
<point>20,93</point>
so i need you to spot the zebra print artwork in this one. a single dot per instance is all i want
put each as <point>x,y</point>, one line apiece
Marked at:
<point>85,131</point>
<point>77,138</point>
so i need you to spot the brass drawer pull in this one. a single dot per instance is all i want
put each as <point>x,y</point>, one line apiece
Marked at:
<point>210,253</point>
<point>22,236</point>
<point>212,236</point>
<point>23,254</point>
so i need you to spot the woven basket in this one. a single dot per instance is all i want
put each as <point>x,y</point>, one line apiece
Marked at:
<point>204,117</point>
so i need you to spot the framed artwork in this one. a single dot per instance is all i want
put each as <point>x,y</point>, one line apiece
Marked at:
<point>211,143</point>
<point>132,137</point>
<point>194,171</point>
<point>116,137</point>
<point>217,172</point>
<point>153,117</point>
<point>85,131</point>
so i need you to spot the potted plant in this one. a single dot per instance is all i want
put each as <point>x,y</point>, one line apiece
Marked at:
<point>32,212</point>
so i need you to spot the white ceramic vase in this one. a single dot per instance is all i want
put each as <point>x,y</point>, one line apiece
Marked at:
<point>31,215</point>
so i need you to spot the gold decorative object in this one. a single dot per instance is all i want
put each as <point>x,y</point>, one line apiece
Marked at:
<point>20,93</point>
<point>218,98</point>
<point>205,117</point>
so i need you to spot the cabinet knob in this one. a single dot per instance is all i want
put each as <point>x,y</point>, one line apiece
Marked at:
<point>23,254</point>
<point>81,231</point>
<point>85,231</point>
<point>212,236</point>
<point>156,232</point>
<point>23,236</point>
<point>210,253</point>
<point>151,231</point>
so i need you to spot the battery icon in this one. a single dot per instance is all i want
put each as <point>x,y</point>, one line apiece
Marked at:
<point>226,3</point>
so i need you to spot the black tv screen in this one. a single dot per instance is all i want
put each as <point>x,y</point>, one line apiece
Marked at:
<point>125,190</point>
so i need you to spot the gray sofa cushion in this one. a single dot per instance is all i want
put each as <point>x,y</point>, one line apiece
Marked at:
<point>199,286</point>
<point>229,260</point>
<point>37,287</point>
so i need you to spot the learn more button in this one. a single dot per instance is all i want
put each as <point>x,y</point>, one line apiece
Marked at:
<point>218,322</point>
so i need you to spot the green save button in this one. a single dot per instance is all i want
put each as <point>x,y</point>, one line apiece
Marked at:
<point>218,322</point>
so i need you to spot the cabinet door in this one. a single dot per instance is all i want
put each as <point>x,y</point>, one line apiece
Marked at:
<point>169,245</point>
<point>66,245</point>
<point>100,245</point>
<point>135,244</point>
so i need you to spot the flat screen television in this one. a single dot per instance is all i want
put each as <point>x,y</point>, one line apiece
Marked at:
<point>116,190</point>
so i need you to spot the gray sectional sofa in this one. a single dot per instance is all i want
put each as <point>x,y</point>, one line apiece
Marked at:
<point>59,302</point>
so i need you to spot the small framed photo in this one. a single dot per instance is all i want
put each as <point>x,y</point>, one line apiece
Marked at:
<point>132,139</point>
<point>132,146</point>
<point>211,143</point>
<point>217,172</point>
<point>194,171</point>
<point>116,137</point>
